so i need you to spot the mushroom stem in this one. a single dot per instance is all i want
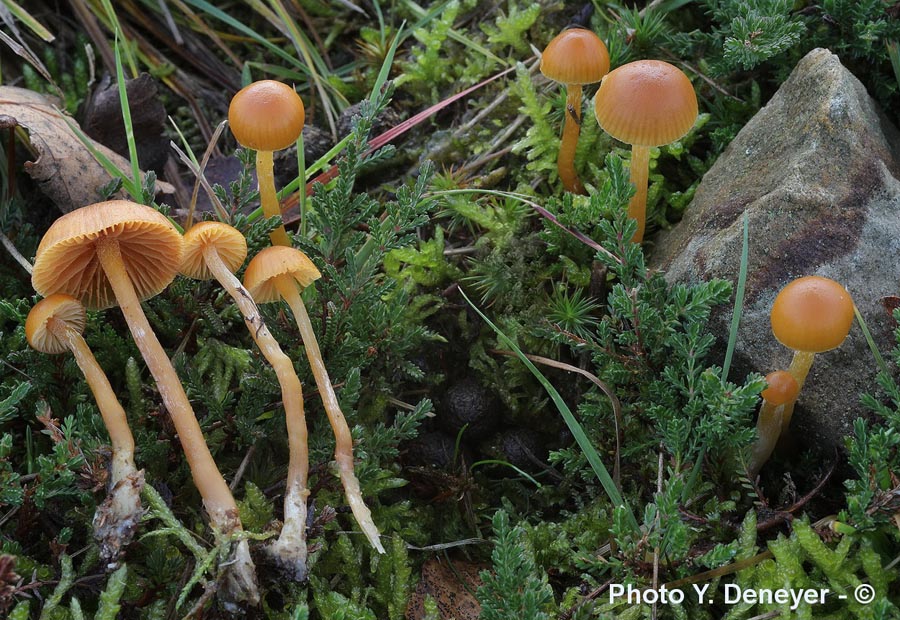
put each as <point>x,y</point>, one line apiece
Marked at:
<point>217,498</point>
<point>637,206</point>
<point>268,200</point>
<point>768,427</point>
<point>117,517</point>
<point>800,365</point>
<point>343,451</point>
<point>110,409</point>
<point>290,548</point>
<point>565,161</point>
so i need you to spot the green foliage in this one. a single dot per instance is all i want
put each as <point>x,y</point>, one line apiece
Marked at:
<point>541,141</point>
<point>256,509</point>
<point>804,560</point>
<point>429,68</point>
<point>513,588</point>
<point>875,456</point>
<point>510,29</point>
<point>112,594</point>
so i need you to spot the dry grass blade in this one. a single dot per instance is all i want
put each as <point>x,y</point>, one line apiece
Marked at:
<point>13,9</point>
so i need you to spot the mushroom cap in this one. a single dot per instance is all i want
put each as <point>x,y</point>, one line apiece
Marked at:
<point>277,261</point>
<point>812,314</point>
<point>646,102</point>
<point>228,241</point>
<point>67,262</point>
<point>266,116</point>
<point>783,388</point>
<point>61,307</point>
<point>575,56</point>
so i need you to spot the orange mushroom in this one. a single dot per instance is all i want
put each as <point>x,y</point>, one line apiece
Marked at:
<point>120,252</point>
<point>781,392</point>
<point>217,250</point>
<point>278,272</point>
<point>574,57</point>
<point>55,325</point>
<point>811,315</point>
<point>646,103</point>
<point>267,116</point>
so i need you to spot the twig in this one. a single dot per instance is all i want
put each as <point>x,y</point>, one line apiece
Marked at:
<point>242,467</point>
<point>15,253</point>
<point>780,516</point>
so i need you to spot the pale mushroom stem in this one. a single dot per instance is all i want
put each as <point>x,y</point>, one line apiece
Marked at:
<point>110,409</point>
<point>268,199</point>
<point>800,365</point>
<point>343,451</point>
<point>799,369</point>
<point>217,498</point>
<point>117,518</point>
<point>290,548</point>
<point>637,206</point>
<point>768,427</point>
<point>565,161</point>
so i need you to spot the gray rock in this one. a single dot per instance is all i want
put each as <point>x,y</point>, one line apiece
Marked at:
<point>816,171</point>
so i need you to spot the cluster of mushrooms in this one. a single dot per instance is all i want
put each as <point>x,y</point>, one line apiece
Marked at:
<point>650,103</point>
<point>119,253</point>
<point>810,315</point>
<point>646,103</point>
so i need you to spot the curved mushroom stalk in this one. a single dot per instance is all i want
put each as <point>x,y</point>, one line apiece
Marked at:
<point>53,325</point>
<point>280,272</point>
<point>289,551</point>
<point>343,449</point>
<point>214,250</point>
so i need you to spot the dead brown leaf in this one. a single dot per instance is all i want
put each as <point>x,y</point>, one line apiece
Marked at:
<point>452,585</point>
<point>65,170</point>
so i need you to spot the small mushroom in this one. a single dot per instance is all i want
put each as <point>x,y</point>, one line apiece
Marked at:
<point>574,57</point>
<point>53,326</point>
<point>279,272</point>
<point>267,116</point>
<point>217,250</point>
<point>118,253</point>
<point>810,315</point>
<point>781,392</point>
<point>645,103</point>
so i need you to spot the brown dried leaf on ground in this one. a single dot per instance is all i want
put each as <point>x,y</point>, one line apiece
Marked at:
<point>65,170</point>
<point>452,585</point>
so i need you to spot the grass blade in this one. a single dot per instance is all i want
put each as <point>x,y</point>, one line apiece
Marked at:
<point>738,300</point>
<point>581,438</point>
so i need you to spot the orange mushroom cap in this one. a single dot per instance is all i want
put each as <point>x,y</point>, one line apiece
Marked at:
<point>67,263</point>
<point>61,307</point>
<point>575,56</point>
<point>647,102</point>
<point>273,262</point>
<point>266,116</point>
<point>783,388</point>
<point>230,244</point>
<point>812,314</point>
